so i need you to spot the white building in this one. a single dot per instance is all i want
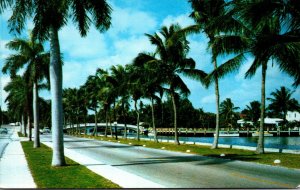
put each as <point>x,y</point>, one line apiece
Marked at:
<point>292,116</point>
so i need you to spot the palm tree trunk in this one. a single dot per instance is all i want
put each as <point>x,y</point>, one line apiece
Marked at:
<point>110,126</point>
<point>96,124</point>
<point>175,119</point>
<point>29,127</point>
<point>115,120</point>
<point>216,139</point>
<point>138,120</point>
<point>85,127</point>
<point>58,157</point>
<point>23,126</point>
<point>106,121</point>
<point>260,143</point>
<point>125,127</point>
<point>125,122</point>
<point>36,116</point>
<point>153,121</point>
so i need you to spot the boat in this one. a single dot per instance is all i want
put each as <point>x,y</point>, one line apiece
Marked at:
<point>226,134</point>
<point>151,134</point>
<point>266,134</point>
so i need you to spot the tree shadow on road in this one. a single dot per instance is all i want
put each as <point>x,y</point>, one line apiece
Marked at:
<point>198,160</point>
<point>247,158</point>
<point>99,146</point>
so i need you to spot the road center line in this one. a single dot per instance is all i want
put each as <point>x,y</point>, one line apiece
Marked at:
<point>261,180</point>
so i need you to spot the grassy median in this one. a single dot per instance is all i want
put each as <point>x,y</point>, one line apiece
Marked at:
<point>71,176</point>
<point>287,160</point>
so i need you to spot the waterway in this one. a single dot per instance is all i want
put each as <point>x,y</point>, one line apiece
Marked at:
<point>292,143</point>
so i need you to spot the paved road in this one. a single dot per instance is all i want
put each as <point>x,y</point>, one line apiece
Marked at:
<point>5,139</point>
<point>182,170</point>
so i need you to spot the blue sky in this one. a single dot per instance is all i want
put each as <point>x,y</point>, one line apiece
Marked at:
<point>131,19</point>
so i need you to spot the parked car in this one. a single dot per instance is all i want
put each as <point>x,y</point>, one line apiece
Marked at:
<point>3,131</point>
<point>46,130</point>
<point>41,131</point>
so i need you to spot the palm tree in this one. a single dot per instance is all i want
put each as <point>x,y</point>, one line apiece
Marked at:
<point>30,53</point>
<point>118,80</point>
<point>72,106</point>
<point>281,102</point>
<point>264,39</point>
<point>204,12</point>
<point>83,93</point>
<point>93,85</point>
<point>227,111</point>
<point>19,100</point>
<point>253,111</point>
<point>135,83</point>
<point>48,18</point>
<point>171,56</point>
<point>152,85</point>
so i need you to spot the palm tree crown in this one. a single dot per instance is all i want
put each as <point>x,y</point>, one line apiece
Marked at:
<point>281,102</point>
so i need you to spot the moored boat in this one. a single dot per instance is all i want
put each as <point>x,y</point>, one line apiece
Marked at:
<point>266,134</point>
<point>226,134</point>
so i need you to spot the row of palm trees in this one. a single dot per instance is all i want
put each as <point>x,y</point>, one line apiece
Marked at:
<point>234,28</point>
<point>48,18</point>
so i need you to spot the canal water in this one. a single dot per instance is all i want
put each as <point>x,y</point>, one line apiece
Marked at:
<point>292,143</point>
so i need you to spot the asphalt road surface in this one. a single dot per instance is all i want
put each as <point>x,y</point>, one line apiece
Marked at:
<point>5,138</point>
<point>180,170</point>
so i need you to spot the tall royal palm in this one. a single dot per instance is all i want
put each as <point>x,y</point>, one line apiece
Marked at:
<point>48,18</point>
<point>19,100</point>
<point>171,56</point>
<point>31,55</point>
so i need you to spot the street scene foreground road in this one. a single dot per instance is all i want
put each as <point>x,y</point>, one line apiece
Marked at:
<point>179,170</point>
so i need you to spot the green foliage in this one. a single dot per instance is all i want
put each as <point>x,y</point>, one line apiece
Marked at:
<point>188,116</point>
<point>228,113</point>
<point>281,102</point>
<point>71,176</point>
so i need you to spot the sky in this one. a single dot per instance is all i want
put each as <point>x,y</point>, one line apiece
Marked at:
<point>131,19</point>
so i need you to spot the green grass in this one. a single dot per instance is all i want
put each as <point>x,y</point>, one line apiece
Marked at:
<point>71,176</point>
<point>287,160</point>
<point>20,134</point>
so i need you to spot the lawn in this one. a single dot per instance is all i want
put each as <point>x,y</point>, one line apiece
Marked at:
<point>287,160</point>
<point>71,176</point>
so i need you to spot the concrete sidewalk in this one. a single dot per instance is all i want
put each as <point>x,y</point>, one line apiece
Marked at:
<point>14,171</point>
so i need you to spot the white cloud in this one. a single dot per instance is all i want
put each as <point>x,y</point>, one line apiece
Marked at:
<point>183,20</point>
<point>76,73</point>
<point>130,22</point>
<point>77,47</point>
<point>208,99</point>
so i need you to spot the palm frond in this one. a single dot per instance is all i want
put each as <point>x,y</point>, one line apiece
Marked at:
<point>178,84</point>
<point>21,10</point>
<point>80,17</point>
<point>253,68</point>
<point>195,74</point>
<point>229,66</point>
<point>101,12</point>
<point>226,44</point>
